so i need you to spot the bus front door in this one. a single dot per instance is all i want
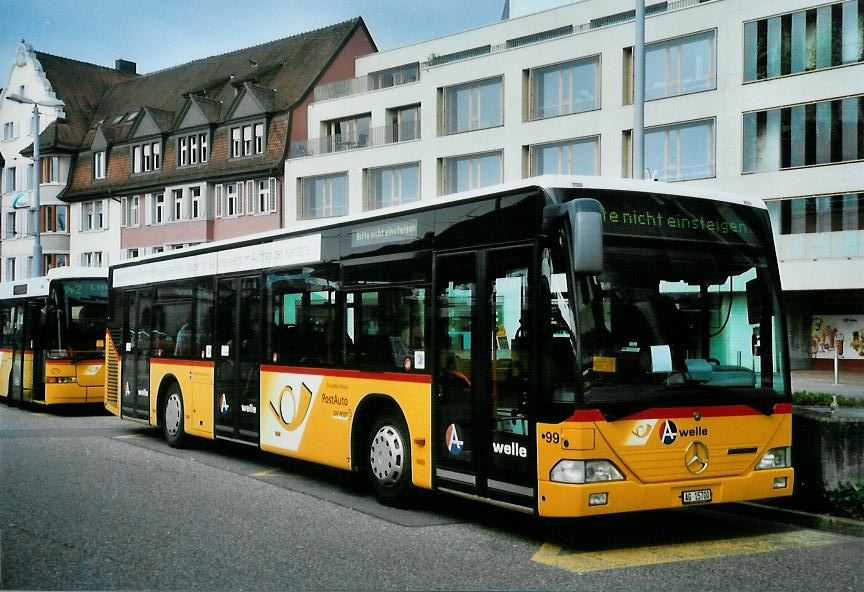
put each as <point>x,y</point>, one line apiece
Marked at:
<point>135,386</point>
<point>483,376</point>
<point>34,334</point>
<point>237,359</point>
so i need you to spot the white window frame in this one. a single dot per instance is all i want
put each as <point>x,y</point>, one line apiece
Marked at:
<point>159,209</point>
<point>10,131</point>
<point>99,168</point>
<point>196,210</point>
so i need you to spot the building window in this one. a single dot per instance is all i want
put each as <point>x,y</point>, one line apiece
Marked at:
<point>130,208</point>
<point>570,157</point>
<point>192,149</point>
<point>159,216</point>
<point>394,76</point>
<point>231,199</point>
<point>818,214</point>
<point>178,205</point>
<point>473,106</point>
<point>146,157</point>
<point>247,140</point>
<point>92,215</point>
<point>680,66</point>
<point>462,173</point>
<point>91,259</point>
<point>10,269</point>
<point>348,133</point>
<point>9,180</point>
<point>806,40</point>
<point>561,89</point>
<point>261,196</point>
<point>804,135</point>
<point>196,211</point>
<point>54,260</point>
<point>678,152</point>
<point>50,170</point>
<point>322,197</point>
<point>11,219</point>
<point>99,165</point>
<point>404,124</point>
<point>10,132</point>
<point>53,218</point>
<point>132,254</point>
<point>391,186</point>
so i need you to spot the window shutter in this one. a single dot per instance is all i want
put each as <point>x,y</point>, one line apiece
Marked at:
<point>105,206</point>
<point>240,194</point>
<point>271,197</point>
<point>219,205</point>
<point>148,208</point>
<point>124,216</point>
<point>251,198</point>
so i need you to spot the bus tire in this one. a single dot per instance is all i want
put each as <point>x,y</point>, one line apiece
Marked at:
<point>389,466</point>
<point>172,417</point>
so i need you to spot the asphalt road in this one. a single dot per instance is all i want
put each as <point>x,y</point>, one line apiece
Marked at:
<point>90,502</point>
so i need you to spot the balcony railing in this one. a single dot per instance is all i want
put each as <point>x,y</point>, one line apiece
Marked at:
<point>374,136</point>
<point>363,84</point>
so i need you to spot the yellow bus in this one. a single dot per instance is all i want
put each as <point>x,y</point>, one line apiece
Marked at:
<point>565,346</point>
<point>53,335</point>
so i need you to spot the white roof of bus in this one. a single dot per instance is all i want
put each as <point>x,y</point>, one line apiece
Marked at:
<point>38,286</point>
<point>549,181</point>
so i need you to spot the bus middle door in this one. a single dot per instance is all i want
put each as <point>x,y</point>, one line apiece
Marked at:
<point>135,384</point>
<point>483,375</point>
<point>239,346</point>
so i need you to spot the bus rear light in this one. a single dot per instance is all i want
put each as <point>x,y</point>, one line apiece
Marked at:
<point>585,471</point>
<point>598,499</point>
<point>776,458</point>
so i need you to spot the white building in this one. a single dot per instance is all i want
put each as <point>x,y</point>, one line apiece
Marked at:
<point>762,98</point>
<point>45,78</point>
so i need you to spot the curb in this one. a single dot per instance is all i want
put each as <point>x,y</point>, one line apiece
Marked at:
<point>823,522</point>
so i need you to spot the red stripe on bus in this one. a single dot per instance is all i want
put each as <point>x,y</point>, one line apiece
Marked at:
<point>586,415</point>
<point>67,362</point>
<point>392,376</point>
<point>179,362</point>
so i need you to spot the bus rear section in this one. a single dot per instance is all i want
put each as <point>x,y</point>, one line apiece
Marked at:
<point>681,387</point>
<point>53,338</point>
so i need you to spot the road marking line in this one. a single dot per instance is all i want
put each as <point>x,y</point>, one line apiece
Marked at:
<point>268,473</point>
<point>587,561</point>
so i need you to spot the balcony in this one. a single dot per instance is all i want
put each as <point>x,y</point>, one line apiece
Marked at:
<point>373,81</point>
<point>374,136</point>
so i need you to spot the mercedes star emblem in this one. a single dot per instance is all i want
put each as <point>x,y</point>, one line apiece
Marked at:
<point>696,457</point>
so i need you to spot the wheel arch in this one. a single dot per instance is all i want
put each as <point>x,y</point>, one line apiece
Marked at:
<point>370,407</point>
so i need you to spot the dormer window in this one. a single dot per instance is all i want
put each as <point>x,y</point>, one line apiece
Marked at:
<point>247,140</point>
<point>119,118</point>
<point>133,115</point>
<point>192,149</point>
<point>146,157</point>
<point>99,165</point>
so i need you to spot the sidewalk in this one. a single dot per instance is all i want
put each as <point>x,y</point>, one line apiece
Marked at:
<point>822,381</point>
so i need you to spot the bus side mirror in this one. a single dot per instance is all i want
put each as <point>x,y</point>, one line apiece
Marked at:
<point>585,218</point>
<point>754,290</point>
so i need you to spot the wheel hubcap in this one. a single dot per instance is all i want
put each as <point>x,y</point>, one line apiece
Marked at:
<point>387,455</point>
<point>172,414</point>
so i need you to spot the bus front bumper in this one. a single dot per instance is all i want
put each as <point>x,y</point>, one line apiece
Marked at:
<point>565,500</point>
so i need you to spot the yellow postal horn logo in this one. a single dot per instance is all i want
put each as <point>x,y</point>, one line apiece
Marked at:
<point>292,409</point>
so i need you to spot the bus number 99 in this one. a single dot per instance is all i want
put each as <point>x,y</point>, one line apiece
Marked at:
<point>551,437</point>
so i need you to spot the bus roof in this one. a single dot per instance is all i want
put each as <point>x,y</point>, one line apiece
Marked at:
<point>38,286</point>
<point>544,181</point>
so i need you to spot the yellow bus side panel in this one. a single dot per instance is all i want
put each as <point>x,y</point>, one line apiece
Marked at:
<point>5,371</point>
<point>310,415</point>
<point>651,454</point>
<point>196,387</point>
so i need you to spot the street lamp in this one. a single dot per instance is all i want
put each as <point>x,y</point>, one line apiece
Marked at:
<point>34,208</point>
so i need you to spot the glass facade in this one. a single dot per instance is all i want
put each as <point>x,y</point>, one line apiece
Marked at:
<point>812,39</point>
<point>820,226</point>
<point>804,135</point>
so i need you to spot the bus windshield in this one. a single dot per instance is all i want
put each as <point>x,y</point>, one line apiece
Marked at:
<point>678,316</point>
<point>82,322</point>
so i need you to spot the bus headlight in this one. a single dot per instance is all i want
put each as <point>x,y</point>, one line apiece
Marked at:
<point>60,379</point>
<point>585,471</point>
<point>776,458</point>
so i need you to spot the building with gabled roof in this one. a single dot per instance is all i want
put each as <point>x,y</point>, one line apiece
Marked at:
<point>195,152</point>
<point>40,76</point>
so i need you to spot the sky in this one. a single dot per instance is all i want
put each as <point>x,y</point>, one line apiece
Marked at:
<point>158,34</point>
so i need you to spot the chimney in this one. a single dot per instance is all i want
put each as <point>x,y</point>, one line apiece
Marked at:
<point>126,67</point>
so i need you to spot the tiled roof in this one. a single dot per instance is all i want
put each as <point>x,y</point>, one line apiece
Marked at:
<point>80,86</point>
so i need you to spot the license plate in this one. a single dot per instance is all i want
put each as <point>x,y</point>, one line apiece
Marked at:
<point>699,496</point>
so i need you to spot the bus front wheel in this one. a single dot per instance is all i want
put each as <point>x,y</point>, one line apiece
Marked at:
<point>172,419</point>
<point>389,463</point>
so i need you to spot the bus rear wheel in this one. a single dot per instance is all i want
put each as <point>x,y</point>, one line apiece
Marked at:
<point>172,418</point>
<point>389,465</point>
